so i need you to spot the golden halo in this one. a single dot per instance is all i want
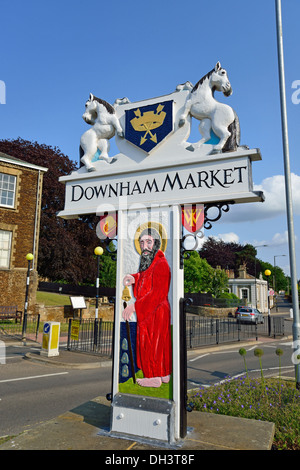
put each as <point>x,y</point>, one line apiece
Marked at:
<point>156,226</point>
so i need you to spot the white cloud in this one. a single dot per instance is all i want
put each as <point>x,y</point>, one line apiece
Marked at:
<point>274,204</point>
<point>229,237</point>
<point>279,239</point>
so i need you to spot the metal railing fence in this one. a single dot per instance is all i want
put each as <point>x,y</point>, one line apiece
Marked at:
<point>207,331</point>
<point>93,335</point>
<point>96,335</point>
<point>30,324</point>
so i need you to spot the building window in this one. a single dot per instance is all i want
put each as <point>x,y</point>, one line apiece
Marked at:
<point>7,190</point>
<point>244,294</point>
<point>5,248</point>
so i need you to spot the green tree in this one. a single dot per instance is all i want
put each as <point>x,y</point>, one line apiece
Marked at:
<point>277,279</point>
<point>247,256</point>
<point>66,247</point>
<point>219,282</point>
<point>108,270</point>
<point>220,253</point>
<point>198,274</point>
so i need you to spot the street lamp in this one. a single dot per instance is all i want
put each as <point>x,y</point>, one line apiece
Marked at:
<point>29,258</point>
<point>288,186</point>
<point>276,256</point>
<point>256,246</point>
<point>98,252</point>
<point>268,274</point>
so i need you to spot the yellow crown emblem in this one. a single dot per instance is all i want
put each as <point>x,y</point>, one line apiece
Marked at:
<point>147,122</point>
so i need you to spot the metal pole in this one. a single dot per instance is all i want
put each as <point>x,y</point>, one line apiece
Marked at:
<point>290,222</point>
<point>29,258</point>
<point>98,252</point>
<point>97,287</point>
<point>269,311</point>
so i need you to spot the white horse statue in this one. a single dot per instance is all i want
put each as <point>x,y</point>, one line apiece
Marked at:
<point>101,115</point>
<point>213,115</point>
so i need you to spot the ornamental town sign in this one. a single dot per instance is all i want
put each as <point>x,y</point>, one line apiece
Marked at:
<point>158,185</point>
<point>156,162</point>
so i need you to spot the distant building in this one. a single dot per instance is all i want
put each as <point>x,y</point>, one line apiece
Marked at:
<point>250,290</point>
<point>20,210</point>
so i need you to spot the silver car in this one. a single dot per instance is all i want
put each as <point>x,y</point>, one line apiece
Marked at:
<point>249,315</point>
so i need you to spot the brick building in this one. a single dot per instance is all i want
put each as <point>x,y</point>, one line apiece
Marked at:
<point>20,210</point>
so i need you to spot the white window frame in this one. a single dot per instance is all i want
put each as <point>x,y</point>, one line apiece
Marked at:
<point>244,290</point>
<point>8,184</point>
<point>5,248</point>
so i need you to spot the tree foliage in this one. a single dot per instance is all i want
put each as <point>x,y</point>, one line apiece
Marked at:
<point>230,256</point>
<point>199,276</point>
<point>234,255</point>
<point>277,280</point>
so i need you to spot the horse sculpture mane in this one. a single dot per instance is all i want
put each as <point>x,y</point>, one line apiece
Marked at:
<point>202,80</point>
<point>110,109</point>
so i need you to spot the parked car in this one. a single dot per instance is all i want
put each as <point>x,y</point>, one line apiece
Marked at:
<point>249,315</point>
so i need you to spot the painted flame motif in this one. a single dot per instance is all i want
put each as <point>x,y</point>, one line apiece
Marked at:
<point>109,226</point>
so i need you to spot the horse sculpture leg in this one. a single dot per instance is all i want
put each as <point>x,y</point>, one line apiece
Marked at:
<point>184,115</point>
<point>204,129</point>
<point>88,143</point>
<point>221,120</point>
<point>103,146</point>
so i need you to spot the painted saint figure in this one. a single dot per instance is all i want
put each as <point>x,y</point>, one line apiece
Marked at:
<point>151,287</point>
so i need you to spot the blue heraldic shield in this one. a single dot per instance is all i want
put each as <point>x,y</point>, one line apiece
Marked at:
<point>147,126</point>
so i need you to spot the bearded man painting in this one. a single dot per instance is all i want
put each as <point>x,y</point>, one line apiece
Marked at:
<point>151,287</point>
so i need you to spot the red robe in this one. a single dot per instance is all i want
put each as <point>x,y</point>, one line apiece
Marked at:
<point>153,345</point>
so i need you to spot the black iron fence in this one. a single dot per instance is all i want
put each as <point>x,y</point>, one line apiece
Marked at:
<point>96,335</point>
<point>30,328</point>
<point>207,331</point>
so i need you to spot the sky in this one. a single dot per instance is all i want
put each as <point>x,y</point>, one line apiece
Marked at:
<point>53,54</point>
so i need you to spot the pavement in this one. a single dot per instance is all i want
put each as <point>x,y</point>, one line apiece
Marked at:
<point>87,427</point>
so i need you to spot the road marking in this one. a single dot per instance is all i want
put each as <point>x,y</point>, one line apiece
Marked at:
<point>198,357</point>
<point>225,352</point>
<point>199,385</point>
<point>33,377</point>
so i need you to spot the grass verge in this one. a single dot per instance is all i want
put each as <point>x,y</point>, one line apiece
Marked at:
<point>50,298</point>
<point>273,400</point>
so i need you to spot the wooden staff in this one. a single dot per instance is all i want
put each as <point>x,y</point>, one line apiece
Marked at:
<point>126,296</point>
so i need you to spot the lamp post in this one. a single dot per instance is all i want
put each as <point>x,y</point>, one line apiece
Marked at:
<point>268,274</point>
<point>98,252</point>
<point>276,256</point>
<point>257,246</point>
<point>29,258</point>
<point>288,187</point>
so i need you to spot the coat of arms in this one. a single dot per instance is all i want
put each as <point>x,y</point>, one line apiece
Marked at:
<point>193,217</point>
<point>147,126</point>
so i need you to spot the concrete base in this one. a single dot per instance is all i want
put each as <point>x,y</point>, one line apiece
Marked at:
<point>86,428</point>
<point>139,416</point>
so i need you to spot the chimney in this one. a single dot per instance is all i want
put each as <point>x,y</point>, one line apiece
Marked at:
<point>242,272</point>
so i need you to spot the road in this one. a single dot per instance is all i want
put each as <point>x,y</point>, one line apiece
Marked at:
<point>32,392</point>
<point>211,367</point>
<point>215,364</point>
